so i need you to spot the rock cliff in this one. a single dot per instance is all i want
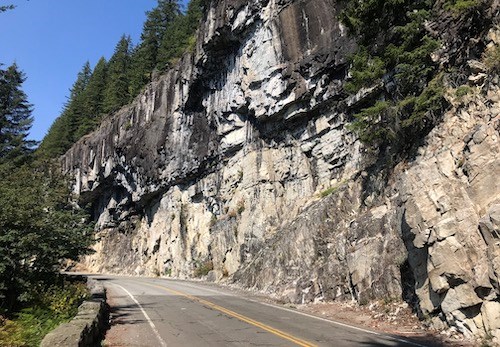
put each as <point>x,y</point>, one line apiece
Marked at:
<point>238,164</point>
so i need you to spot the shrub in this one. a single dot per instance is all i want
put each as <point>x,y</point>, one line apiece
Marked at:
<point>395,51</point>
<point>327,192</point>
<point>365,70</point>
<point>460,6</point>
<point>240,208</point>
<point>491,58</point>
<point>202,269</point>
<point>51,307</point>
<point>462,91</point>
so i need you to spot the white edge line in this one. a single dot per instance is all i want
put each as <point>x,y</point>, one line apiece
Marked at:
<point>383,335</point>
<point>153,327</point>
<point>387,336</point>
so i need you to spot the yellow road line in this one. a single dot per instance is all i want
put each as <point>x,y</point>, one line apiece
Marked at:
<point>241,317</point>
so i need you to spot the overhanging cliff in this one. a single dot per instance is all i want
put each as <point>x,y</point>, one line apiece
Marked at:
<point>239,163</point>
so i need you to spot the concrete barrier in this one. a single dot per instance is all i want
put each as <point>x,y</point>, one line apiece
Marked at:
<point>87,327</point>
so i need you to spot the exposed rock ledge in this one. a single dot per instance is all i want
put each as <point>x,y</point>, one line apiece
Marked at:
<point>221,162</point>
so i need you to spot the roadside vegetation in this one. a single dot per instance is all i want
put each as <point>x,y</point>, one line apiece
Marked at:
<point>39,226</point>
<point>202,268</point>
<point>49,307</point>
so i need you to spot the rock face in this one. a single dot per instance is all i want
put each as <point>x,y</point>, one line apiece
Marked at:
<point>239,164</point>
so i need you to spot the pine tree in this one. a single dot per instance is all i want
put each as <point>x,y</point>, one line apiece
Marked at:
<point>57,140</point>
<point>75,108</point>
<point>156,25</point>
<point>117,88</point>
<point>174,44</point>
<point>82,80</point>
<point>180,35</point>
<point>195,11</point>
<point>62,133</point>
<point>93,99</point>
<point>38,227</point>
<point>15,115</point>
<point>140,73</point>
<point>145,57</point>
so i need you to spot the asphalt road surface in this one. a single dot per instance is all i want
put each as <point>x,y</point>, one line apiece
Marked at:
<point>162,312</point>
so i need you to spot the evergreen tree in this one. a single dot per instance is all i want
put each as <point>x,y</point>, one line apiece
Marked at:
<point>15,115</point>
<point>145,57</point>
<point>82,80</point>
<point>117,88</point>
<point>195,11</point>
<point>156,25</point>
<point>62,133</point>
<point>93,100</point>
<point>75,108</point>
<point>174,44</point>
<point>38,229</point>
<point>57,140</point>
<point>140,72</point>
<point>180,34</point>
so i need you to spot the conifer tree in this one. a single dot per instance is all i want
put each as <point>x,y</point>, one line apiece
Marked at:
<point>15,115</point>
<point>156,25</point>
<point>140,73</point>
<point>180,34</point>
<point>58,138</point>
<point>61,134</point>
<point>145,57</point>
<point>82,80</point>
<point>38,227</point>
<point>117,87</point>
<point>75,108</point>
<point>93,99</point>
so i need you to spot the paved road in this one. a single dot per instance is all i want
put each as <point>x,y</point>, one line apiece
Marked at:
<point>161,312</point>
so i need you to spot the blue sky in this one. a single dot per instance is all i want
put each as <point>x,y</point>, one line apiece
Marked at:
<point>50,40</point>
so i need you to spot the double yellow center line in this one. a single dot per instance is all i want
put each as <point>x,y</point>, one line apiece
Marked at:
<point>241,317</point>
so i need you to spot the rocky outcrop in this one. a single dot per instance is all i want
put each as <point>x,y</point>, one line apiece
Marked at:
<point>239,136</point>
<point>239,163</point>
<point>449,196</point>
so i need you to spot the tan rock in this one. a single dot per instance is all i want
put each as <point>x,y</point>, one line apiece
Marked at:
<point>490,312</point>
<point>459,297</point>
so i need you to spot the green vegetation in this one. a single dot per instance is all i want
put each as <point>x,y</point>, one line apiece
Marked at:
<point>52,306</point>
<point>15,115</point>
<point>213,220</point>
<point>167,33</point>
<point>328,191</point>
<point>39,227</point>
<point>491,58</point>
<point>332,189</point>
<point>395,52</point>
<point>203,268</point>
<point>459,6</point>
<point>240,208</point>
<point>462,91</point>
<point>365,71</point>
